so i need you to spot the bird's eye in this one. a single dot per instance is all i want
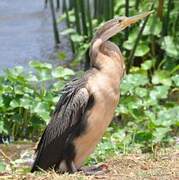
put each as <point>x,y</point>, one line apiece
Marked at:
<point>119,21</point>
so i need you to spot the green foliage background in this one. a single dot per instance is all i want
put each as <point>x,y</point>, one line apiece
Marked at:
<point>148,113</point>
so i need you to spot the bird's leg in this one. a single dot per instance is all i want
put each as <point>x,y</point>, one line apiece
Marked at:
<point>95,169</point>
<point>71,166</point>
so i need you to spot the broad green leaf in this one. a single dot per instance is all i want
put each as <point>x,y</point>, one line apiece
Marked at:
<point>40,65</point>
<point>26,102</point>
<point>143,136</point>
<point>142,49</point>
<point>153,26</point>
<point>58,85</point>
<point>77,38</point>
<point>161,77</point>
<point>133,35</point>
<point>160,133</point>
<point>147,65</point>
<point>61,72</point>
<point>175,78</point>
<point>15,103</point>
<point>168,117</point>
<point>67,31</point>
<point>131,81</point>
<point>32,78</point>
<point>42,110</point>
<point>141,92</point>
<point>19,90</point>
<point>1,102</point>
<point>2,127</point>
<point>128,45</point>
<point>159,92</point>
<point>44,75</point>
<point>170,47</point>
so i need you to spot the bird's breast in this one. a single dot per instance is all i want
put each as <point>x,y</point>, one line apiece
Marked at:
<point>98,118</point>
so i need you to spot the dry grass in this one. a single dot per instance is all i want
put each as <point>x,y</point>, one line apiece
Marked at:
<point>165,166</point>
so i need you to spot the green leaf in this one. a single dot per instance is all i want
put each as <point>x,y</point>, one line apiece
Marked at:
<point>42,110</point>
<point>168,117</point>
<point>162,77</point>
<point>15,103</point>
<point>1,102</point>
<point>170,47</point>
<point>44,75</point>
<point>131,81</point>
<point>67,31</point>
<point>153,26</point>
<point>160,133</point>
<point>32,78</point>
<point>142,49</point>
<point>159,92</point>
<point>58,85</point>
<point>38,65</point>
<point>147,65</point>
<point>141,92</point>
<point>61,72</point>
<point>77,38</point>
<point>3,130</point>
<point>143,136</point>
<point>176,79</point>
<point>26,102</point>
<point>128,45</point>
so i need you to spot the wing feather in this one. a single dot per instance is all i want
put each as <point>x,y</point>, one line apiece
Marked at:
<point>67,115</point>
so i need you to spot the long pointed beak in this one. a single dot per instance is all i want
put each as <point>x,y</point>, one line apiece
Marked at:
<point>134,19</point>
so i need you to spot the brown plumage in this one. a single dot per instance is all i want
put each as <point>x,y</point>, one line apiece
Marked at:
<point>86,106</point>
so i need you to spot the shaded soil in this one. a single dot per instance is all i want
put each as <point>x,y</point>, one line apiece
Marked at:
<point>164,166</point>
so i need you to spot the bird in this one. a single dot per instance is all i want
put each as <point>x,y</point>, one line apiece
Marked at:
<point>87,104</point>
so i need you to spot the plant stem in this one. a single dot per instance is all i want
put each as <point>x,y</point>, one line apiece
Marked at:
<point>137,4</point>
<point>71,4</point>
<point>160,9</point>
<point>77,16</point>
<point>83,17</point>
<point>68,24</point>
<point>112,8</point>
<point>55,27</point>
<point>46,3</point>
<point>89,20</point>
<point>58,4</point>
<point>131,56</point>
<point>167,18</point>
<point>127,14</point>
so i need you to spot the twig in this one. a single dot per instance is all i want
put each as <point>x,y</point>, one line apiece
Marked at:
<point>5,156</point>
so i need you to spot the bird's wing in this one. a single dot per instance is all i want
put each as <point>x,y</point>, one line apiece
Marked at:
<point>67,116</point>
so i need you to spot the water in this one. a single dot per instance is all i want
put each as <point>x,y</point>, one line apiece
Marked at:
<point>26,33</point>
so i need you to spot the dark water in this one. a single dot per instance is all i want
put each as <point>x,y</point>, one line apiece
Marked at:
<point>26,33</point>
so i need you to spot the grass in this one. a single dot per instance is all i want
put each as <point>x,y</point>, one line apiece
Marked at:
<point>164,165</point>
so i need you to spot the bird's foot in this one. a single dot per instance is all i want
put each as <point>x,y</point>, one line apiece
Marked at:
<point>95,170</point>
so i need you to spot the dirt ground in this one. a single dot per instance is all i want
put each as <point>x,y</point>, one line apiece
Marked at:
<point>164,166</point>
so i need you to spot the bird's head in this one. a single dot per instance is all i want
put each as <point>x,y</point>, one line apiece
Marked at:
<point>114,26</point>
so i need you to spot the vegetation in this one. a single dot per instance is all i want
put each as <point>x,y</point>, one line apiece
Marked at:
<point>147,116</point>
<point>27,99</point>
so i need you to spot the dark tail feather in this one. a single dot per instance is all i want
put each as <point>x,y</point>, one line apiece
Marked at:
<point>37,158</point>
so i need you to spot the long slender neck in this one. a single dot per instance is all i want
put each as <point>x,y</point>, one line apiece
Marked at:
<point>95,46</point>
<point>106,57</point>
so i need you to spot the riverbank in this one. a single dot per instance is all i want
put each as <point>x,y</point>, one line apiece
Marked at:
<point>163,165</point>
